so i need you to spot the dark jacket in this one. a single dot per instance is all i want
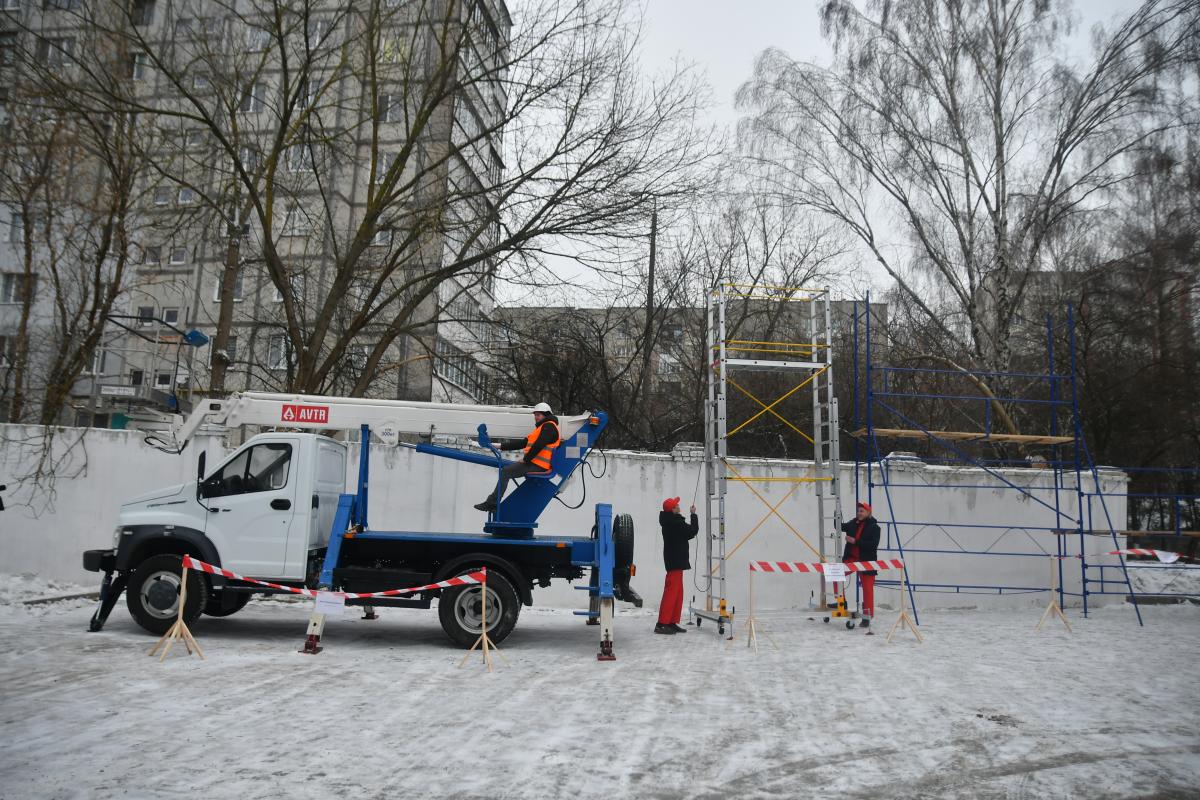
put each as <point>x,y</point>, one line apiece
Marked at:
<point>676,533</point>
<point>546,437</point>
<point>867,547</point>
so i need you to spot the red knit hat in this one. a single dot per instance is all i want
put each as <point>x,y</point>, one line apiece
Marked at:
<point>670,504</point>
<point>864,505</point>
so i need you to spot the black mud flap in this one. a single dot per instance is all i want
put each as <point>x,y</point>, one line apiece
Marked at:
<point>110,592</point>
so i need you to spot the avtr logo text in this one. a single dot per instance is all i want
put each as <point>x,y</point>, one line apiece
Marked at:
<point>314,414</point>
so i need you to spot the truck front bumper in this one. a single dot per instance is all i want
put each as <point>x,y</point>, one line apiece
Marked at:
<point>99,560</point>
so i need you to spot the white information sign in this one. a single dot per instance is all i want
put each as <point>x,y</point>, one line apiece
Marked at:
<point>331,604</point>
<point>835,573</point>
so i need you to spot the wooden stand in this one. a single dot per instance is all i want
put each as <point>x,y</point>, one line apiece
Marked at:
<point>904,617</point>
<point>752,625</point>
<point>180,629</point>
<point>484,642</point>
<point>1054,606</point>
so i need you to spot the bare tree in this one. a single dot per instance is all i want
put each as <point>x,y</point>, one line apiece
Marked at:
<point>951,139</point>
<point>480,147</point>
<point>70,180</point>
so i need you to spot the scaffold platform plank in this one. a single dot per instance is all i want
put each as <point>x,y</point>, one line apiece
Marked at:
<point>964,436</point>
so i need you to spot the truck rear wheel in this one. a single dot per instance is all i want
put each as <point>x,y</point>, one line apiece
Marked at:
<point>460,610</point>
<point>153,593</point>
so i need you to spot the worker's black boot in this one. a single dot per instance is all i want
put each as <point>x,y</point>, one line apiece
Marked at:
<point>486,505</point>
<point>666,630</point>
<point>679,629</point>
<point>866,622</point>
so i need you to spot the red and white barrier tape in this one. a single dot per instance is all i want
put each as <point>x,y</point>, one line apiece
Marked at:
<point>460,580</point>
<point>851,566</point>
<point>1165,556</point>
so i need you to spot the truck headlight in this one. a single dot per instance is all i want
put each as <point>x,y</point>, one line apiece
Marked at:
<point>117,538</point>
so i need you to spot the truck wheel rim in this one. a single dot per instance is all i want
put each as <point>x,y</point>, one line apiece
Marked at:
<point>468,610</point>
<point>160,594</point>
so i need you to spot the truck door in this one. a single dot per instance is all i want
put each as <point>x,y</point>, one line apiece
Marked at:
<point>251,504</point>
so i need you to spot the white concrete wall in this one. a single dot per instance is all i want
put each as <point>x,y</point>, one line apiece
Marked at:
<point>48,526</point>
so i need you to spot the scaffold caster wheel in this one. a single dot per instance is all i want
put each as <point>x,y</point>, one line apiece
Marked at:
<point>827,620</point>
<point>720,630</point>
<point>849,624</point>
<point>698,621</point>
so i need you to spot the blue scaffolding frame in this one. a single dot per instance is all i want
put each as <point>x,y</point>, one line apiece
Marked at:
<point>1069,463</point>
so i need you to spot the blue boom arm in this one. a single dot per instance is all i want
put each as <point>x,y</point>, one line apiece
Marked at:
<point>519,511</point>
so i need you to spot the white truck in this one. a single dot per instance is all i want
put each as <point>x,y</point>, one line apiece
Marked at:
<point>278,509</point>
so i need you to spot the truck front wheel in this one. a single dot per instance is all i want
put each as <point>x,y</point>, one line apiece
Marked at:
<point>153,593</point>
<point>460,610</point>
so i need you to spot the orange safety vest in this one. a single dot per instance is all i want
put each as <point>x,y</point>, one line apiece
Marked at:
<point>542,458</point>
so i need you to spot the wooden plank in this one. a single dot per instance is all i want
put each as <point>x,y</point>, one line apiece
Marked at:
<point>1158,533</point>
<point>965,436</point>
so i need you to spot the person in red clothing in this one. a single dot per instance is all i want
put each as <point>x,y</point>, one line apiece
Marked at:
<point>862,544</point>
<point>676,533</point>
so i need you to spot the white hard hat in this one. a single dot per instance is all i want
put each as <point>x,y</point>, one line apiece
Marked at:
<point>542,407</point>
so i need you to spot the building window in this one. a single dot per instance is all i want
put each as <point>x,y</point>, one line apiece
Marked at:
<point>307,97</point>
<point>457,367</point>
<point>145,316</point>
<point>295,221</point>
<point>16,227</point>
<point>179,255</point>
<point>382,238</point>
<point>389,108</point>
<point>136,377</point>
<point>170,316</point>
<point>162,196</point>
<point>143,12</point>
<point>277,352</point>
<point>162,379</point>
<point>187,195</point>
<point>257,39</point>
<point>8,48</point>
<point>248,158</point>
<point>138,64</point>
<point>97,367</point>
<point>8,348</point>
<point>194,138</point>
<point>296,285</point>
<point>152,255</point>
<point>12,287</point>
<point>237,288</point>
<point>201,82</point>
<point>383,163</point>
<point>252,100</point>
<point>56,51</point>
<point>300,158</point>
<point>231,346</point>
<point>62,5</point>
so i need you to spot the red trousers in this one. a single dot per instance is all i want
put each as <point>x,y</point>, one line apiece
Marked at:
<point>671,607</point>
<point>867,584</point>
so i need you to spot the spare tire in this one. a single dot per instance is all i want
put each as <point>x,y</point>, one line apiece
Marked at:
<point>623,539</point>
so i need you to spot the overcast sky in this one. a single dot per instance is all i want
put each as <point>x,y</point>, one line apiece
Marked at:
<point>723,37</point>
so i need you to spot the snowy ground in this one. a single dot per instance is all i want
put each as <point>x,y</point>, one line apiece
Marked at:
<point>984,708</point>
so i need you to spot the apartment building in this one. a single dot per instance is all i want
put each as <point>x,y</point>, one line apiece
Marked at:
<point>311,180</point>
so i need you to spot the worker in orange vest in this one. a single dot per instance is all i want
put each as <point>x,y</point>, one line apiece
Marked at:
<point>539,447</point>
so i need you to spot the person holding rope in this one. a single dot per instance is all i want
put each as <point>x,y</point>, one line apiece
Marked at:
<point>676,534</point>
<point>862,544</point>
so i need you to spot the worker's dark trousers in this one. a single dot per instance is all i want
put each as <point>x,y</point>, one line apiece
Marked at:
<point>513,470</point>
<point>671,607</point>
<point>866,583</point>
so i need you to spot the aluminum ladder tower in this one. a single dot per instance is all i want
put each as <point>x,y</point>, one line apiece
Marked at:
<point>815,357</point>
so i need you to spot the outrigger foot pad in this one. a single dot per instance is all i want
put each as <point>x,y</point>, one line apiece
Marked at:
<point>606,651</point>
<point>312,645</point>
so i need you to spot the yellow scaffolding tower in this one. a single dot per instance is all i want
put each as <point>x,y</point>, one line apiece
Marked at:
<point>812,361</point>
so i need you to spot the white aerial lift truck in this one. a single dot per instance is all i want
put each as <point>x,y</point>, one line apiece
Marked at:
<point>277,509</point>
